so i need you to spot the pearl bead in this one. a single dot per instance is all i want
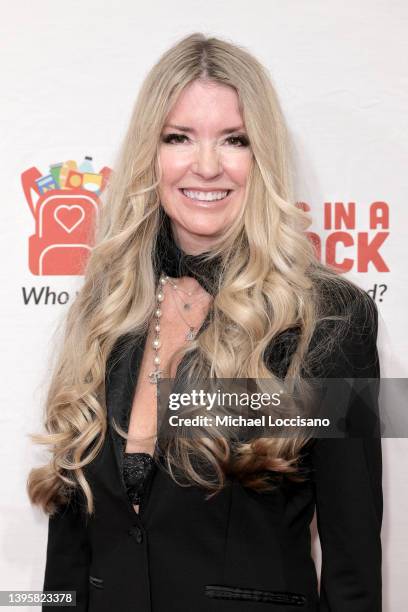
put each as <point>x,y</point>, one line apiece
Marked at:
<point>163,281</point>
<point>156,343</point>
<point>156,360</point>
<point>157,328</point>
<point>160,297</point>
<point>158,313</point>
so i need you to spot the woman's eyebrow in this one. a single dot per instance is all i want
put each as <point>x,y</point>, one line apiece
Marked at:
<point>184,128</point>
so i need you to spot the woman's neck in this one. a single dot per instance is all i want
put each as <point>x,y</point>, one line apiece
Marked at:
<point>171,259</point>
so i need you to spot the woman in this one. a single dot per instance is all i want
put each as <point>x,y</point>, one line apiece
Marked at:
<point>202,269</point>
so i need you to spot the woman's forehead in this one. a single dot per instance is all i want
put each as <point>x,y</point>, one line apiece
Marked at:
<point>206,104</point>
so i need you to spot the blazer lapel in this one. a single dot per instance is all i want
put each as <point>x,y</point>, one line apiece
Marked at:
<point>122,371</point>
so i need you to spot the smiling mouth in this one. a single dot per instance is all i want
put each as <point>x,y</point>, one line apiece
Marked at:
<point>205,196</point>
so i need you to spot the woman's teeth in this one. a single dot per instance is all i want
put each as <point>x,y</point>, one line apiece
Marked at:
<point>205,196</point>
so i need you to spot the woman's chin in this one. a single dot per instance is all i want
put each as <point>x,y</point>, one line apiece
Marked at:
<point>199,225</point>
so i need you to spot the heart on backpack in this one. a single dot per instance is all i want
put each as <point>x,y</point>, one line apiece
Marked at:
<point>69,217</point>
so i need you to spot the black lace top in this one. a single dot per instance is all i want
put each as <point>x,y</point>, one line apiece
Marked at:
<point>136,467</point>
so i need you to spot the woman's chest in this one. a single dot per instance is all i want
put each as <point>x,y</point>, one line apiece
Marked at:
<point>162,351</point>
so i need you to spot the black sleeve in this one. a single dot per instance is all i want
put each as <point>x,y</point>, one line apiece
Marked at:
<point>68,555</point>
<point>347,475</point>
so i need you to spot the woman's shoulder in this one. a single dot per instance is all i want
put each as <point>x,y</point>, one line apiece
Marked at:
<point>338,296</point>
<point>345,334</point>
<point>343,340</point>
<point>344,307</point>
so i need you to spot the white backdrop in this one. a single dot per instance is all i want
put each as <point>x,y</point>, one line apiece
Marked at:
<point>69,77</point>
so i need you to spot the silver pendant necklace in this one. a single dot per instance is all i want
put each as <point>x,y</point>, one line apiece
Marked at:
<point>157,373</point>
<point>192,331</point>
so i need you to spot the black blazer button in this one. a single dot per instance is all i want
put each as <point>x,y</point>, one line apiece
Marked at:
<point>137,533</point>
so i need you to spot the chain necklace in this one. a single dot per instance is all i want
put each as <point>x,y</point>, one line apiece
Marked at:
<point>189,304</point>
<point>157,373</point>
<point>191,334</point>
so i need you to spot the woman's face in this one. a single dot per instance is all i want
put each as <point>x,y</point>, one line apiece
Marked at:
<point>205,159</point>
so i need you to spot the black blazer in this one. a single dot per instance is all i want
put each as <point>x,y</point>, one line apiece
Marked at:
<point>240,550</point>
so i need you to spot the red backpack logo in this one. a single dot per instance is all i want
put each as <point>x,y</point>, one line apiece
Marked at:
<point>65,215</point>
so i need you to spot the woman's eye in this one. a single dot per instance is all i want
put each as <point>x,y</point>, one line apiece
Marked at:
<point>241,140</point>
<point>169,139</point>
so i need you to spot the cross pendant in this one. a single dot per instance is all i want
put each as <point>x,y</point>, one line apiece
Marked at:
<point>155,376</point>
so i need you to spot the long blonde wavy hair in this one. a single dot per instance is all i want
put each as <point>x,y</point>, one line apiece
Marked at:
<point>269,282</point>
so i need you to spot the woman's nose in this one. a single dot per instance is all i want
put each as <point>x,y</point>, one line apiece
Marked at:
<point>207,161</point>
